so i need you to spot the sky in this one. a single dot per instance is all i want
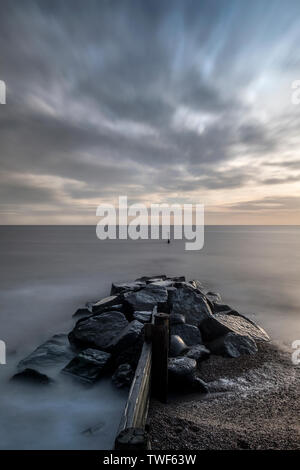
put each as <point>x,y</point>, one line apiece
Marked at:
<point>169,101</point>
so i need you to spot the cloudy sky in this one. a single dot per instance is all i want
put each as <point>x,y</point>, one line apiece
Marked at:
<point>163,101</point>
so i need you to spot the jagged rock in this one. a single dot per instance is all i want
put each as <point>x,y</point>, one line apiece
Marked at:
<point>143,317</point>
<point>127,337</point>
<point>166,283</point>
<point>189,302</point>
<point>123,375</point>
<point>105,303</point>
<point>122,287</point>
<point>220,324</point>
<point>177,278</point>
<point>88,365</point>
<point>146,299</point>
<point>55,351</point>
<point>32,376</point>
<point>217,308</point>
<point>189,333</point>
<point>177,346</point>
<point>98,331</point>
<point>198,352</point>
<point>182,374</point>
<point>176,319</point>
<point>233,345</point>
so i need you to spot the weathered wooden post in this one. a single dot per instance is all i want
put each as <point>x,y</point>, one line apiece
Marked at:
<point>160,352</point>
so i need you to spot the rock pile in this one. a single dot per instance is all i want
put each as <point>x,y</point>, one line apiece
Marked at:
<point>107,337</point>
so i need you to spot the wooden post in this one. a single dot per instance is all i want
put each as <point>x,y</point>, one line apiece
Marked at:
<point>160,352</point>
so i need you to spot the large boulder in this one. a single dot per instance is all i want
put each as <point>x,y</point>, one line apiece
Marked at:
<point>53,352</point>
<point>146,299</point>
<point>98,331</point>
<point>123,376</point>
<point>122,287</point>
<point>88,365</point>
<point>189,333</point>
<point>198,352</point>
<point>127,337</point>
<point>233,345</point>
<point>177,346</point>
<point>188,301</point>
<point>105,304</point>
<point>149,279</point>
<point>222,323</point>
<point>182,374</point>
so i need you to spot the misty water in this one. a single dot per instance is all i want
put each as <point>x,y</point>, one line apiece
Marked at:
<point>48,272</point>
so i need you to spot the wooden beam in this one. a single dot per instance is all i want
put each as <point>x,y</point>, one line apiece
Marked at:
<point>160,353</point>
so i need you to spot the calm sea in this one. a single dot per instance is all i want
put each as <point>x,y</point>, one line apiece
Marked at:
<point>49,271</point>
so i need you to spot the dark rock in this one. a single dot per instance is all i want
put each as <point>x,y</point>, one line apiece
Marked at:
<point>182,374</point>
<point>123,376</point>
<point>189,333</point>
<point>105,303</point>
<point>146,299</point>
<point>177,346</point>
<point>216,308</point>
<point>211,329</point>
<point>233,345</point>
<point>191,304</point>
<point>98,331</point>
<point>176,319</point>
<point>55,351</point>
<point>167,283</point>
<point>220,324</point>
<point>143,317</point>
<point>127,337</point>
<point>131,355</point>
<point>122,287</point>
<point>181,367</point>
<point>32,376</point>
<point>88,365</point>
<point>177,278</point>
<point>198,352</point>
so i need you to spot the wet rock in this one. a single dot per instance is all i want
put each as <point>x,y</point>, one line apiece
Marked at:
<point>189,333</point>
<point>122,287</point>
<point>88,365</point>
<point>143,317</point>
<point>217,308</point>
<point>189,302</point>
<point>167,283</point>
<point>146,299</point>
<point>233,345</point>
<point>198,352</point>
<point>98,331</point>
<point>211,329</point>
<point>53,352</point>
<point>32,376</point>
<point>127,337</point>
<point>176,319</point>
<point>123,376</point>
<point>177,346</point>
<point>182,374</point>
<point>105,303</point>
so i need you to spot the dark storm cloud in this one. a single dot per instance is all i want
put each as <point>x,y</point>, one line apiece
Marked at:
<point>139,95</point>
